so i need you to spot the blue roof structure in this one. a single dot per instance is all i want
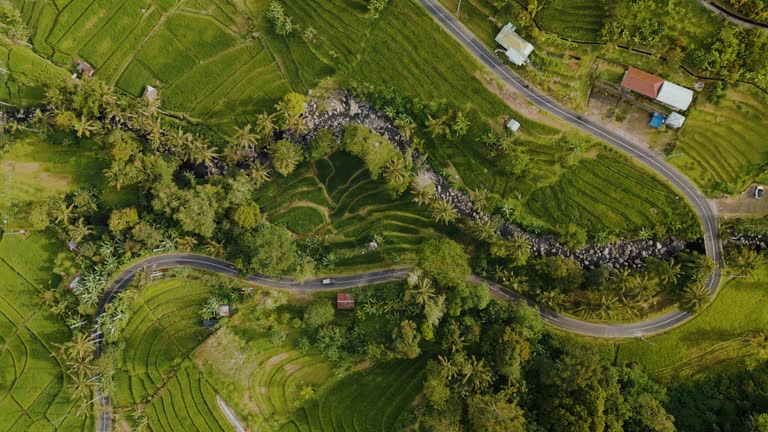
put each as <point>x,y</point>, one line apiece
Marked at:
<point>657,120</point>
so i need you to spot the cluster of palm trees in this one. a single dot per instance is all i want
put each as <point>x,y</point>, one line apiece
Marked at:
<point>468,373</point>
<point>421,292</point>
<point>78,357</point>
<point>628,294</point>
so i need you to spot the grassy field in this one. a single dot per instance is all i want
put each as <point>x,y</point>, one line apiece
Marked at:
<point>263,380</point>
<point>163,329</point>
<point>580,20</point>
<point>335,197</point>
<point>723,146</point>
<point>33,393</point>
<point>712,338</point>
<point>607,193</point>
<point>196,51</point>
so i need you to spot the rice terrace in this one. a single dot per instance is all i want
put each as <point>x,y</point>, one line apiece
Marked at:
<point>383,215</point>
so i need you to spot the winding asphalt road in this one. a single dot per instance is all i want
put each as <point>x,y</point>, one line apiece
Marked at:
<point>704,209</point>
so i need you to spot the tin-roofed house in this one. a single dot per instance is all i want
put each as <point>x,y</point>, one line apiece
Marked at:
<point>675,120</point>
<point>675,96</point>
<point>517,48</point>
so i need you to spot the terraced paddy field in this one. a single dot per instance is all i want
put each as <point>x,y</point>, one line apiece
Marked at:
<point>267,383</point>
<point>33,387</point>
<point>154,370</point>
<point>196,51</point>
<point>608,193</point>
<point>722,147</point>
<point>579,20</point>
<point>335,197</point>
<point>718,335</point>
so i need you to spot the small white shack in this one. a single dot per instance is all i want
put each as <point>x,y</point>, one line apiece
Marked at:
<point>518,49</point>
<point>675,96</point>
<point>675,120</point>
<point>513,125</point>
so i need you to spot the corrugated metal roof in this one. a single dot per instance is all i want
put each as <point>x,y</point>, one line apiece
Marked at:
<point>675,120</point>
<point>642,82</point>
<point>518,49</point>
<point>676,96</point>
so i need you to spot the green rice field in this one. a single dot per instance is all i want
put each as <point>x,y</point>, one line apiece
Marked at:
<point>195,51</point>
<point>722,147</point>
<point>607,193</point>
<point>163,329</point>
<point>718,335</point>
<point>335,197</point>
<point>33,393</point>
<point>263,382</point>
<point>580,20</point>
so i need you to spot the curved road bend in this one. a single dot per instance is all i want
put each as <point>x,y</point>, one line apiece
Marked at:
<point>161,262</point>
<point>732,17</point>
<point>706,212</point>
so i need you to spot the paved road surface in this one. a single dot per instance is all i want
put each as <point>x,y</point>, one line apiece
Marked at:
<point>732,17</point>
<point>704,209</point>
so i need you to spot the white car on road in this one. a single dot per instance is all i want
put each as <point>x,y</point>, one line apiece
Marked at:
<point>759,192</point>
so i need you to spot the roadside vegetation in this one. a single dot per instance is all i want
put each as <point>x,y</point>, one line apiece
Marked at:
<point>230,162</point>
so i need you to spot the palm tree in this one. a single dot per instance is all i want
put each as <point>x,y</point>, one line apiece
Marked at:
<point>80,231</point>
<point>202,153</point>
<point>421,293</point>
<point>405,125</point>
<point>396,172</point>
<point>460,125</point>
<point>443,211</point>
<point>702,265</point>
<point>668,272</point>
<point>215,248</point>
<point>55,97</point>
<point>265,125</point>
<point>480,198</point>
<point>745,261</point>
<point>448,370</point>
<point>47,297</point>
<point>155,134</point>
<point>553,299</point>
<point>482,229</point>
<point>84,127</point>
<point>423,188</point>
<point>244,139</point>
<point>186,243</point>
<point>477,374</point>
<point>694,298</point>
<point>520,248</point>
<point>63,212</point>
<point>259,173</point>
<point>436,126</point>
<point>623,278</point>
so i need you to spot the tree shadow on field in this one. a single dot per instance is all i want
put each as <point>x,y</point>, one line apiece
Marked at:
<point>706,338</point>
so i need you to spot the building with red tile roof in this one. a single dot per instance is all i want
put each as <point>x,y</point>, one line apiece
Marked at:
<point>642,82</point>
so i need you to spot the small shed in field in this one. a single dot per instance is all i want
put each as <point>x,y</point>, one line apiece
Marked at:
<point>150,94</point>
<point>224,310</point>
<point>675,120</point>
<point>513,125</point>
<point>85,69</point>
<point>345,301</point>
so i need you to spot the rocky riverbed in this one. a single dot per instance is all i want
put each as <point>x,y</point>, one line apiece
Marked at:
<point>337,110</point>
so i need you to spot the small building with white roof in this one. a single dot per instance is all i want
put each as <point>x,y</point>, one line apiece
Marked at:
<point>513,125</point>
<point>518,49</point>
<point>675,120</point>
<point>675,96</point>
